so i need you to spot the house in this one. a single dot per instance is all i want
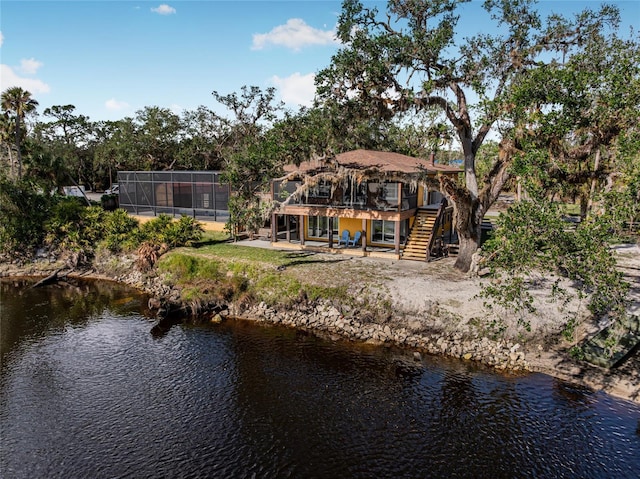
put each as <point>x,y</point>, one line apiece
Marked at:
<point>382,195</point>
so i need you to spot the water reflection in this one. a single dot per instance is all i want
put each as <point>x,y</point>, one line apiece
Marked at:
<point>27,313</point>
<point>95,395</point>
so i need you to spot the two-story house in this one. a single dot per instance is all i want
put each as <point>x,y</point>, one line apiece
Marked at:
<point>364,201</point>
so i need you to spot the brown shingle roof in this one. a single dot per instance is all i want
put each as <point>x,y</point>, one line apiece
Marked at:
<point>383,161</point>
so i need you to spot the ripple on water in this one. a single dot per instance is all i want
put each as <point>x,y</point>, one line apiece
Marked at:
<point>103,398</point>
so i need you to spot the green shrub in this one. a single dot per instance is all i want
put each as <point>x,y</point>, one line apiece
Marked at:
<point>164,229</point>
<point>23,212</point>
<point>74,226</point>
<point>576,352</point>
<point>120,231</point>
<point>153,231</point>
<point>183,232</point>
<point>29,219</point>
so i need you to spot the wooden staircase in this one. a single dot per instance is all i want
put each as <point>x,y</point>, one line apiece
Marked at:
<point>420,237</point>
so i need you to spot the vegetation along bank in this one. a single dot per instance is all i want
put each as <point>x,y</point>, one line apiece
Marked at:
<point>430,308</point>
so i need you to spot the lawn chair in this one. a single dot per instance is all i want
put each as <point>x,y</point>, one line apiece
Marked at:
<point>344,239</point>
<point>356,239</point>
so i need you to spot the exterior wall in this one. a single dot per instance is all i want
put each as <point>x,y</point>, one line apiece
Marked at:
<point>420,195</point>
<point>350,224</point>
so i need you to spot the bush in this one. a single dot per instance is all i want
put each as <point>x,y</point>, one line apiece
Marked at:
<point>29,219</point>
<point>74,226</point>
<point>532,236</point>
<point>23,212</point>
<point>163,230</point>
<point>120,231</point>
<point>183,232</point>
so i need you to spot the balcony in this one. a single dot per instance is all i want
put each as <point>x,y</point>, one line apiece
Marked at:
<point>366,196</point>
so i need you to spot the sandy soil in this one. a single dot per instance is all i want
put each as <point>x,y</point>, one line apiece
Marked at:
<point>417,290</point>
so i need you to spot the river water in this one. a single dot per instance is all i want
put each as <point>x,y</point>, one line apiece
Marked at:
<point>87,392</point>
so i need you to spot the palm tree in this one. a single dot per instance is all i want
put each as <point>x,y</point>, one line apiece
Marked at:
<point>6,133</point>
<point>18,101</point>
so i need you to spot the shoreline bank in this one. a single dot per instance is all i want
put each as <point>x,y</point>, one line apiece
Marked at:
<point>436,311</point>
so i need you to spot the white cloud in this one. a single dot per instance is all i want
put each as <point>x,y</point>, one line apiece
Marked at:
<point>164,9</point>
<point>9,78</point>
<point>30,66</point>
<point>116,105</point>
<point>1,39</point>
<point>295,34</point>
<point>296,89</point>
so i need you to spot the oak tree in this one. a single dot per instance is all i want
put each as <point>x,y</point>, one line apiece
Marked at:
<point>414,58</point>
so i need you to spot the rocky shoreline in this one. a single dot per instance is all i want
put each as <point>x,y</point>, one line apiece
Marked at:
<point>324,318</point>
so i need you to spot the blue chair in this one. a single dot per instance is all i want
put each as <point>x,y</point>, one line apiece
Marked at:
<point>344,239</point>
<point>356,238</point>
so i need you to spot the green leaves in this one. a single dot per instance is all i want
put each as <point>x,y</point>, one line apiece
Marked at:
<point>22,214</point>
<point>165,230</point>
<point>534,238</point>
<point>572,116</point>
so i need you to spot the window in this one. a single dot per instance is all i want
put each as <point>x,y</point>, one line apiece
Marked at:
<point>355,195</point>
<point>433,197</point>
<point>319,227</point>
<point>385,196</point>
<point>390,193</point>
<point>321,190</point>
<point>384,231</point>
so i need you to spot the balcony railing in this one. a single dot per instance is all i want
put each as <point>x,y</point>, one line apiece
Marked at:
<point>369,197</point>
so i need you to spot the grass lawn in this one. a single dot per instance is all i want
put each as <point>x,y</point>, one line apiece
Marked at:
<point>216,266</point>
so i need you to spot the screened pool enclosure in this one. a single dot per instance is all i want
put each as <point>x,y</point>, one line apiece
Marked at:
<point>200,194</point>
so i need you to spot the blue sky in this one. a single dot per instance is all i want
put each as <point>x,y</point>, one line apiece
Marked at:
<point>111,58</point>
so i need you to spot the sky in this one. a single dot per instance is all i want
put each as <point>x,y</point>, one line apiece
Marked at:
<point>111,58</point>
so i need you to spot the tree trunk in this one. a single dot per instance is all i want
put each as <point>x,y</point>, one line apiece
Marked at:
<point>468,246</point>
<point>468,225</point>
<point>594,182</point>
<point>470,206</point>
<point>584,202</point>
<point>18,146</point>
<point>10,162</point>
<point>468,211</point>
<point>468,214</point>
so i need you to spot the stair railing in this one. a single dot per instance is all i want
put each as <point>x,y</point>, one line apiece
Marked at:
<point>436,225</point>
<point>415,225</point>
